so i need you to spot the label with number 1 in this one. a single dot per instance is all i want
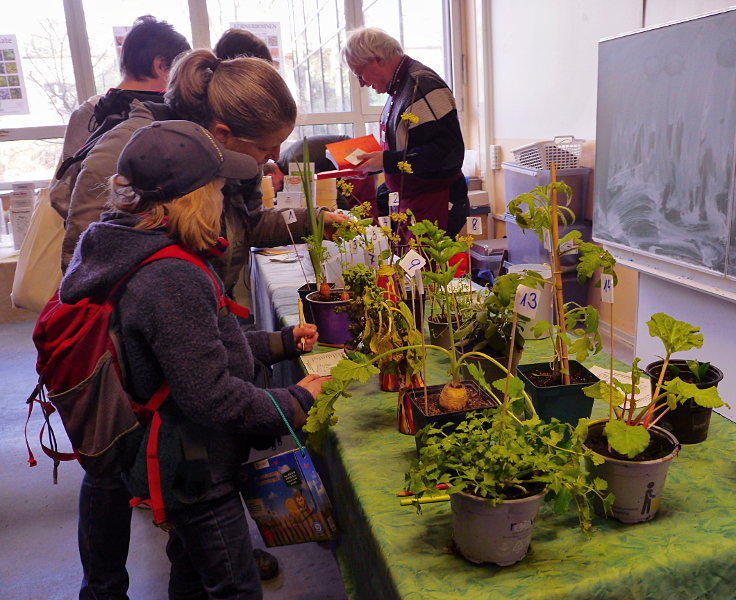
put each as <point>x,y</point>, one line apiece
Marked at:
<point>607,288</point>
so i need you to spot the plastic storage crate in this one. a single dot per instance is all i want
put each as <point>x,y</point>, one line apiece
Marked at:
<point>520,180</point>
<point>524,245</point>
<point>564,151</point>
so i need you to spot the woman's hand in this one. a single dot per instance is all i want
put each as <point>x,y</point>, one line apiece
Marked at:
<point>332,219</point>
<point>371,162</point>
<point>313,384</point>
<point>305,336</point>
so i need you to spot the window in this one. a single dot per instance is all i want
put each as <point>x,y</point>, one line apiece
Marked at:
<point>64,67</point>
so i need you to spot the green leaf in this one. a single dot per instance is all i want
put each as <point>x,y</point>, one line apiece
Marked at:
<point>676,336</point>
<point>679,391</point>
<point>629,440</point>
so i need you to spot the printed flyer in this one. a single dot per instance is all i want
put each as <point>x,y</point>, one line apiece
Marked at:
<point>13,98</point>
<point>270,33</point>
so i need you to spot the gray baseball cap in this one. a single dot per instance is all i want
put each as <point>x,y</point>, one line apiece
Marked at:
<point>169,159</point>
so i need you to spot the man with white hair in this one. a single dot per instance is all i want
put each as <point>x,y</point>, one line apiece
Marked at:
<point>423,146</point>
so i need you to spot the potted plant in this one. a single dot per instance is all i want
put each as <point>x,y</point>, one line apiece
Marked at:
<point>489,328</point>
<point>556,386</point>
<point>333,324</point>
<point>689,421</point>
<point>386,323</point>
<point>497,470</point>
<point>447,304</point>
<point>636,452</point>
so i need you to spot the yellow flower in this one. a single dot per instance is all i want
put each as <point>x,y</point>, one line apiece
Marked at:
<point>404,166</point>
<point>386,231</point>
<point>345,188</point>
<point>468,240</point>
<point>399,217</point>
<point>411,117</point>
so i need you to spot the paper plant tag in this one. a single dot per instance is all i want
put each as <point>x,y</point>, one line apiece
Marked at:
<point>526,301</point>
<point>475,226</point>
<point>569,247</point>
<point>353,245</point>
<point>607,288</point>
<point>384,221</point>
<point>289,216</point>
<point>547,240</point>
<point>412,261</point>
<point>420,282</point>
<point>393,199</point>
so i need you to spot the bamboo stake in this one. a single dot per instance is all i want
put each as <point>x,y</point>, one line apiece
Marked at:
<point>557,279</point>
<point>610,369</point>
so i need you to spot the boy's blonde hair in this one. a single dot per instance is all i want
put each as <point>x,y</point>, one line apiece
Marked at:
<point>193,220</point>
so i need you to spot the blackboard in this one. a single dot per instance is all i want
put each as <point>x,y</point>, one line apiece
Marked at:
<point>666,141</point>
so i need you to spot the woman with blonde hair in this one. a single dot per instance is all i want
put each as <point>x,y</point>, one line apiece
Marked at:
<point>168,191</point>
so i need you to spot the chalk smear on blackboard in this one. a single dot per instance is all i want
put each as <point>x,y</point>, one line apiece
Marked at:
<point>666,132</point>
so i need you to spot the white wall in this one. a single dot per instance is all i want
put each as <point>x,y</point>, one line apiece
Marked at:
<point>545,63</point>
<point>545,58</point>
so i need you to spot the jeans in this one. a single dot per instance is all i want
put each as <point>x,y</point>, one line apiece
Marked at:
<point>104,536</point>
<point>210,552</point>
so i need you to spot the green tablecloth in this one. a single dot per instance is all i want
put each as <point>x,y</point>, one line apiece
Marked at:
<point>388,551</point>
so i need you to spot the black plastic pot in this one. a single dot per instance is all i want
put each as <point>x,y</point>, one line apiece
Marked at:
<point>421,420</point>
<point>566,403</point>
<point>303,291</point>
<point>689,422</point>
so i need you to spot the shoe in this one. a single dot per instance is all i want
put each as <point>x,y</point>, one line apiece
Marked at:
<point>268,565</point>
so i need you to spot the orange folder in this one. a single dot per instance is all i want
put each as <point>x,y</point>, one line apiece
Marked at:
<point>338,152</point>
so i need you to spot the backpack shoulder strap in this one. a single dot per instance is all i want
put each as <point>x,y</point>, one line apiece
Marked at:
<point>176,251</point>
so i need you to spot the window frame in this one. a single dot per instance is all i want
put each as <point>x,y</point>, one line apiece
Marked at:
<point>359,116</point>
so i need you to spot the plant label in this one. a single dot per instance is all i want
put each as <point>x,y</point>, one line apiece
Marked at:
<point>289,216</point>
<point>569,247</point>
<point>607,288</point>
<point>353,246</point>
<point>384,222</point>
<point>526,301</point>
<point>475,226</point>
<point>547,241</point>
<point>412,262</point>
<point>393,199</point>
<point>420,281</point>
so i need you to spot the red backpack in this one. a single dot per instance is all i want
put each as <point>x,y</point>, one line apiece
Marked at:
<point>81,375</point>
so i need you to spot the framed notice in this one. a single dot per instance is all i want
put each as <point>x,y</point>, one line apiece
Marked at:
<point>270,33</point>
<point>13,97</point>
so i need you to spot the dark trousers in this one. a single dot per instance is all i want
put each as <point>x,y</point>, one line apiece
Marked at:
<point>104,536</point>
<point>211,554</point>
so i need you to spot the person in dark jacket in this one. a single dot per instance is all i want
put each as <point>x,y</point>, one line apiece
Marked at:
<point>168,191</point>
<point>148,51</point>
<point>423,146</point>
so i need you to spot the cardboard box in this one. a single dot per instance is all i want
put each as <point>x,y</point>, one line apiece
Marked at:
<point>286,499</point>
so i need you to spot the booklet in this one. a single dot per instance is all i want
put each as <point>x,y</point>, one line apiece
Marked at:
<point>321,364</point>
<point>344,154</point>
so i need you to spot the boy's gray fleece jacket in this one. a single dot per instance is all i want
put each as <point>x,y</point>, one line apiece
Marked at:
<point>245,224</point>
<point>171,330</point>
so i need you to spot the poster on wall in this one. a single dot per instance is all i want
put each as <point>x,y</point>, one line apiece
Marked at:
<point>270,33</point>
<point>13,97</point>
<point>118,33</point>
